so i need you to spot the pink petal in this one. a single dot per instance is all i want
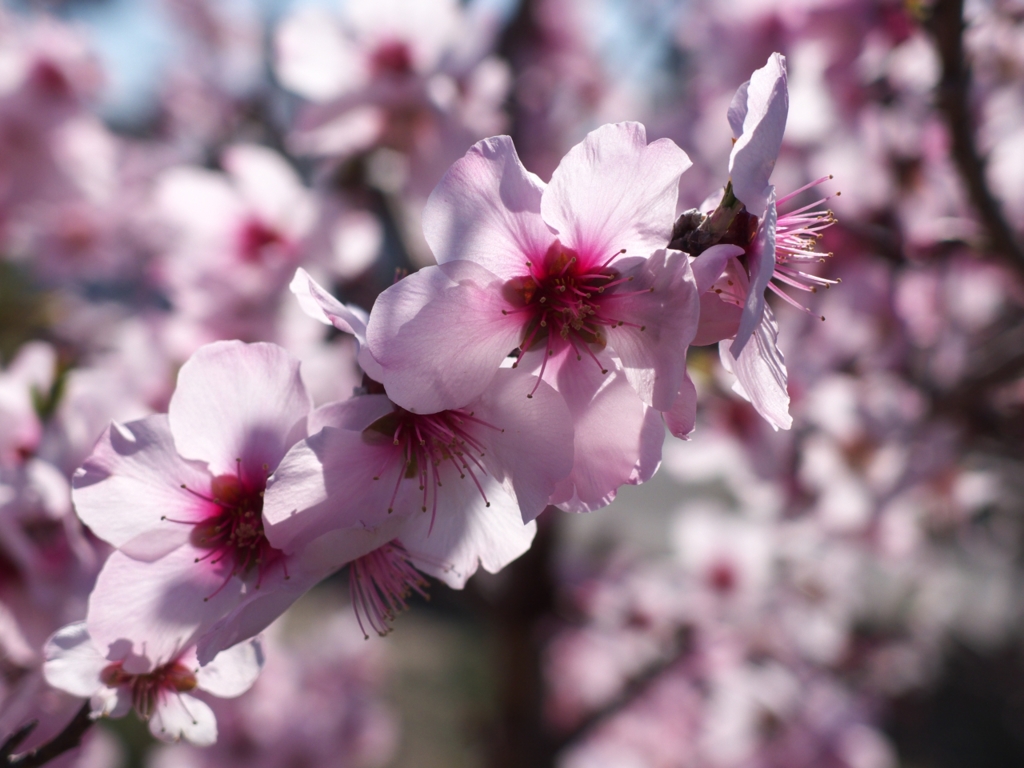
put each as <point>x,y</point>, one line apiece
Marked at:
<point>534,449</point>
<point>613,191</point>
<point>180,717</point>
<point>666,307</point>
<point>617,439</point>
<point>326,481</point>
<point>487,209</point>
<point>259,608</point>
<point>270,187</point>
<point>133,479</point>
<point>239,401</point>
<point>200,202</point>
<point>718,320</point>
<point>254,614</point>
<point>232,671</point>
<point>150,611</point>
<point>356,413</point>
<point>440,336</point>
<point>111,702</point>
<point>761,372</point>
<point>430,30</point>
<point>682,418</point>
<point>73,664</point>
<point>322,306</point>
<point>758,119</point>
<point>762,267</point>
<point>708,267</point>
<point>467,535</point>
<point>314,58</point>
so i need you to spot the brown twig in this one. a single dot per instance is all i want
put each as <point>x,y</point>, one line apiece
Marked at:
<point>953,100</point>
<point>63,742</point>
<point>519,736</point>
<point>631,692</point>
<point>11,742</point>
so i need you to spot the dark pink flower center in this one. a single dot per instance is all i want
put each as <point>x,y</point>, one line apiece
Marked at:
<point>146,689</point>
<point>381,583</point>
<point>425,444</point>
<point>49,79</point>
<point>233,531</point>
<point>255,237</point>
<point>565,298</point>
<point>796,238</point>
<point>392,59</point>
<point>722,577</point>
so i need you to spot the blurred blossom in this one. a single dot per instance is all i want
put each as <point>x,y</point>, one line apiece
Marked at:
<point>187,185</point>
<point>315,704</point>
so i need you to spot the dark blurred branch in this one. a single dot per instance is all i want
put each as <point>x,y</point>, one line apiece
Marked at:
<point>972,403</point>
<point>63,742</point>
<point>12,741</point>
<point>520,738</point>
<point>947,27</point>
<point>632,691</point>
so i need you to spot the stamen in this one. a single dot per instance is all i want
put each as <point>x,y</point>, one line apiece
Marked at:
<point>380,584</point>
<point>786,198</point>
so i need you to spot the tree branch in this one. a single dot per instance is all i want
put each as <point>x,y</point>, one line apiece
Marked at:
<point>953,100</point>
<point>633,690</point>
<point>64,741</point>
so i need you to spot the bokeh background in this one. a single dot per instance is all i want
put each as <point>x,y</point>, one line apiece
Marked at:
<point>844,594</point>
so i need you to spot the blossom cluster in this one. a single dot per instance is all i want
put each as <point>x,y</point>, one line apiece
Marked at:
<point>226,509</point>
<point>334,322</point>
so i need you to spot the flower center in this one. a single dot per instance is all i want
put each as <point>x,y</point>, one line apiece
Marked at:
<point>426,443</point>
<point>255,237</point>
<point>566,301</point>
<point>381,583</point>
<point>722,577</point>
<point>233,531</point>
<point>146,689</point>
<point>391,59</point>
<point>50,79</point>
<point>796,237</point>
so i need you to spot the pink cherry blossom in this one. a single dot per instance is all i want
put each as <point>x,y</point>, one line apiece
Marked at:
<point>732,291</point>
<point>382,45</point>
<point>409,75</point>
<point>317,703</point>
<point>181,497</point>
<point>565,265</point>
<point>160,692</point>
<point>234,239</point>
<point>573,275</point>
<point>454,487</point>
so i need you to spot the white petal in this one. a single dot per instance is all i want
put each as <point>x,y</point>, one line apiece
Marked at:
<point>179,716</point>
<point>760,371</point>
<point>233,671</point>
<point>73,663</point>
